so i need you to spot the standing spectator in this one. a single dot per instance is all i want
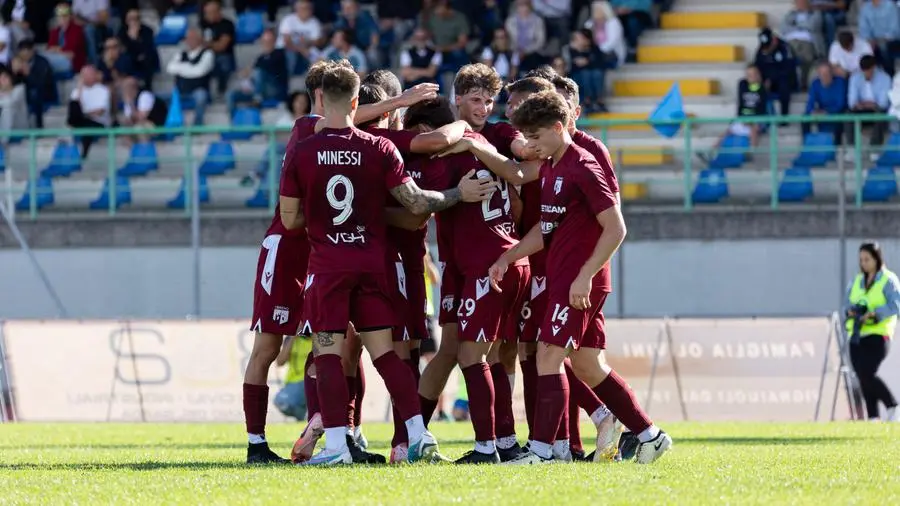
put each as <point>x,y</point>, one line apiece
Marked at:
<point>363,26</point>
<point>635,17</point>
<point>420,63</point>
<point>89,106</point>
<point>13,106</point>
<point>141,108</point>
<point>342,48</point>
<point>115,65</point>
<point>266,80</point>
<point>300,34</point>
<point>827,96</point>
<point>500,56</point>
<point>37,74</point>
<point>219,34</point>
<point>193,68</point>
<point>802,29</point>
<point>527,34</point>
<point>870,88</point>
<point>752,101</point>
<point>450,32</point>
<point>586,63</point>
<point>93,15</point>
<point>137,39</point>
<point>879,23</point>
<point>67,48</point>
<point>608,33</point>
<point>776,63</point>
<point>834,14</point>
<point>557,15</point>
<point>845,53</point>
<point>271,7</point>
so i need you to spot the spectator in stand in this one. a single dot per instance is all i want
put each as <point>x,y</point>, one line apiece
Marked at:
<point>635,17</point>
<point>845,53</point>
<point>27,20</point>
<point>608,33</point>
<point>870,88</point>
<point>93,15</point>
<point>420,63</point>
<point>140,46</point>
<point>557,15</point>
<point>586,69</point>
<point>363,26</point>
<point>450,32</point>
<point>67,48</point>
<point>500,56</point>
<point>13,104</point>
<point>778,67</point>
<point>827,96</point>
<point>6,42</point>
<point>271,7</point>
<point>527,34</point>
<point>802,29</point>
<point>89,106</point>
<point>37,74</point>
<point>115,65</point>
<point>141,108</point>
<point>342,48</point>
<point>834,14</point>
<point>752,101</point>
<point>879,23</point>
<point>297,106</point>
<point>219,34</point>
<point>266,80</point>
<point>300,34</point>
<point>164,6</point>
<point>193,68</point>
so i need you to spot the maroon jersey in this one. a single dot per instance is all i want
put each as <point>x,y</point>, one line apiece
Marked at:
<point>303,128</point>
<point>340,175</point>
<point>601,154</point>
<point>574,192</point>
<point>501,135</point>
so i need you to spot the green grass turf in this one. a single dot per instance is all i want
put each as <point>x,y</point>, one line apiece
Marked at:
<point>821,464</point>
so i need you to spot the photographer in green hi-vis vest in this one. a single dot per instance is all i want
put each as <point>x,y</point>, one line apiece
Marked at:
<point>291,400</point>
<point>871,309</point>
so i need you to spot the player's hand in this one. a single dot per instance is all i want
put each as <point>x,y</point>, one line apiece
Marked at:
<point>580,293</point>
<point>460,147</point>
<point>476,190</point>
<point>496,273</point>
<point>418,93</point>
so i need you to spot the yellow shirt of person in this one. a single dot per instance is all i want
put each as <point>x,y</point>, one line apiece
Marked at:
<point>881,299</point>
<point>299,351</point>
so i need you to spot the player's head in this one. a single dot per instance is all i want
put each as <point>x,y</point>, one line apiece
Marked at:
<point>543,71</point>
<point>314,82</point>
<point>568,90</point>
<point>372,94</point>
<point>340,90</point>
<point>522,89</point>
<point>475,87</point>
<point>428,115</point>
<point>387,81</point>
<point>543,119</point>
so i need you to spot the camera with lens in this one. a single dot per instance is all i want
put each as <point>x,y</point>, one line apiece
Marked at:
<point>859,312</point>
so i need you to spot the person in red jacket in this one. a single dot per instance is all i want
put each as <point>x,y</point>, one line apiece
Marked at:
<point>67,47</point>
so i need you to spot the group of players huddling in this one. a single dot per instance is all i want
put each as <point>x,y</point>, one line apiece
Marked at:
<point>527,219</point>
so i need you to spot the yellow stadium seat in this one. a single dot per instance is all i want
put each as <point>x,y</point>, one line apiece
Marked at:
<point>718,53</point>
<point>659,87</point>
<point>639,118</point>
<point>712,20</point>
<point>641,156</point>
<point>633,191</point>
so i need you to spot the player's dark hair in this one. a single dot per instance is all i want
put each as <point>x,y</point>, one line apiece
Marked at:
<point>544,71</point>
<point>568,88</point>
<point>386,80</point>
<point>370,94</point>
<point>541,110</point>
<point>874,249</point>
<point>433,113</point>
<point>529,85</point>
<point>339,84</point>
<point>477,76</point>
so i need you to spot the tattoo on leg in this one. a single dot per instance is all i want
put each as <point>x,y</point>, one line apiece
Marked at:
<point>324,339</point>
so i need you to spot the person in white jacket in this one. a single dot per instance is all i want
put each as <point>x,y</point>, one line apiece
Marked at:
<point>609,35</point>
<point>193,69</point>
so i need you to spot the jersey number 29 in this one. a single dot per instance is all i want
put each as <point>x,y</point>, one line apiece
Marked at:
<point>488,213</point>
<point>344,205</point>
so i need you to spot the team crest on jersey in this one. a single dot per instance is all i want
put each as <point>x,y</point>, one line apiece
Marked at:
<point>482,287</point>
<point>447,303</point>
<point>281,315</point>
<point>557,186</point>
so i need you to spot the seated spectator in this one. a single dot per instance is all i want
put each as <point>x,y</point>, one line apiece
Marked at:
<point>271,7</point>
<point>140,46</point>
<point>297,106</point>
<point>115,65</point>
<point>802,29</point>
<point>89,106</point>
<point>586,69</point>
<point>635,17</point>
<point>67,48</point>
<point>193,68</point>
<point>420,62</point>
<point>608,33</point>
<point>363,26</point>
<point>37,74</point>
<point>12,17</point>
<point>527,35</point>
<point>28,20</point>
<point>869,94</point>
<point>219,34</point>
<point>500,56</point>
<point>834,14</point>
<point>776,63</point>
<point>450,33</point>
<point>141,108</point>
<point>13,104</point>
<point>845,53</point>
<point>300,35</point>
<point>557,15</point>
<point>827,96</point>
<point>342,48</point>
<point>752,101</point>
<point>879,23</point>
<point>266,80</point>
<point>163,7</point>
<point>93,15</point>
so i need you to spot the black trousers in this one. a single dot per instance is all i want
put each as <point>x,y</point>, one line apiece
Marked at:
<point>866,356</point>
<point>77,119</point>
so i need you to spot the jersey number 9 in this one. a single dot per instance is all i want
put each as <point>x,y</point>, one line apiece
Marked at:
<point>344,205</point>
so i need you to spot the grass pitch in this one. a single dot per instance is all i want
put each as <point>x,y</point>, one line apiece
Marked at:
<point>821,464</point>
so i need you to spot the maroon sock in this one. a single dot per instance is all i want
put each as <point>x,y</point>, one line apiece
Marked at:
<point>505,422</point>
<point>400,434</point>
<point>332,388</point>
<point>256,404</point>
<point>529,385</point>
<point>619,398</point>
<point>562,432</point>
<point>581,393</point>
<point>481,400</point>
<point>574,425</point>
<point>414,360</point>
<point>400,384</point>
<point>351,399</point>
<point>552,402</point>
<point>428,407</point>
<point>360,393</point>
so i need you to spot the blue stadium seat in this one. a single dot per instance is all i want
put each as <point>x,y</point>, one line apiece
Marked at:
<point>891,155</point>
<point>142,160</point>
<point>123,194</point>
<point>43,193</point>
<point>712,187</point>
<point>818,150</point>
<point>66,159</point>
<point>732,153</point>
<point>180,201</point>
<point>880,185</point>
<point>796,185</point>
<point>271,103</point>
<point>261,198</point>
<point>219,159</point>
<point>249,27</point>
<point>243,117</point>
<point>2,159</point>
<point>172,29</point>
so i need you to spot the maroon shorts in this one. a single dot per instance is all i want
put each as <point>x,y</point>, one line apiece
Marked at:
<point>451,286</point>
<point>533,310</point>
<point>416,302</point>
<point>334,298</point>
<point>399,293</point>
<point>567,327</point>
<point>595,336</point>
<point>278,290</point>
<point>485,314</point>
